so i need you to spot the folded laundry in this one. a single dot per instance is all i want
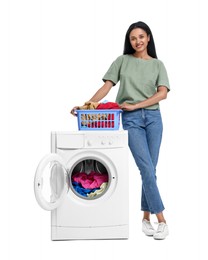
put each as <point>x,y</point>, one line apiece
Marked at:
<point>91,180</point>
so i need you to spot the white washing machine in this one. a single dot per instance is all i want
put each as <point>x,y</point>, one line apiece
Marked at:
<point>84,183</point>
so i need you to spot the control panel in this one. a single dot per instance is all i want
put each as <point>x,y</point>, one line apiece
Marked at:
<point>104,141</point>
<point>90,139</point>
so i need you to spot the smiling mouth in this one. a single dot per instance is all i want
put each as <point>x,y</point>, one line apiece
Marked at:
<point>138,45</point>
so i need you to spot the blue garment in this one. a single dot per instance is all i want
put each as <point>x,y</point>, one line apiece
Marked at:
<point>145,134</point>
<point>82,191</point>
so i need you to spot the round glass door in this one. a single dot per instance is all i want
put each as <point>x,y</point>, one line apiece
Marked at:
<point>89,179</point>
<point>51,183</point>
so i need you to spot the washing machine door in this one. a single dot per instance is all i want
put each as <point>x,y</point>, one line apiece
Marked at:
<point>51,182</point>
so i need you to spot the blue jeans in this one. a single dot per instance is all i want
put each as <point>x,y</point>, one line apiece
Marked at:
<point>145,134</point>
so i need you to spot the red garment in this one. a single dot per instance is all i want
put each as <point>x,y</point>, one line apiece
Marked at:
<point>90,181</point>
<point>107,123</point>
<point>108,105</point>
<point>101,124</point>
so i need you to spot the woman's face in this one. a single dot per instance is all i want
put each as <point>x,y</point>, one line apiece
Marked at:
<point>139,39</point>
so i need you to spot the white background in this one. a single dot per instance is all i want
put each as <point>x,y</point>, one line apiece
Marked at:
<point>53,56</point>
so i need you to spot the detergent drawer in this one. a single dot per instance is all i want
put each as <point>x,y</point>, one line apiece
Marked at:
<point>69,141</point>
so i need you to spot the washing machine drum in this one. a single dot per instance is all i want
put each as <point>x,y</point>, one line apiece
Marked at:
<point>89,179</point>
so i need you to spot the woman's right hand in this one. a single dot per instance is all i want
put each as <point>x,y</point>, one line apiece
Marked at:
<point>73,111</point>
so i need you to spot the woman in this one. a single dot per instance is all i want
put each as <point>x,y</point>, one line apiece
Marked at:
<point>143,84</point>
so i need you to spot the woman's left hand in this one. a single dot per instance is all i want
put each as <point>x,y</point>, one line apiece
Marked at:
<point>127,107</point>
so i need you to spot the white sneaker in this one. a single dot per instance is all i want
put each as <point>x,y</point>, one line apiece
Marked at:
<point>162,231</point>
<point>147,228</point>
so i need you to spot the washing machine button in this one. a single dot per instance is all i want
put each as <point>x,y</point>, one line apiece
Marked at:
<point>89,143</point>
<point>103,142</point>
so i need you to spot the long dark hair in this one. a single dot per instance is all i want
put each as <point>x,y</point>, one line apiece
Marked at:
<point>151,45</point>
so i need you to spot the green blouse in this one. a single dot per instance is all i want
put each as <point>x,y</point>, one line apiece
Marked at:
<point>138,78</point>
